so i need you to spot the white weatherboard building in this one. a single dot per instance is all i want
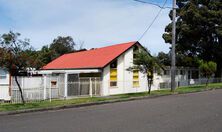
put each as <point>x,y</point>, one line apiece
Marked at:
<point>4,85</point>
<point>96,72</point>
<point>101,71</point>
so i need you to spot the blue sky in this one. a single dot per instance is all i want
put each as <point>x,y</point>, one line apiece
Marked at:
<point>95,22</point>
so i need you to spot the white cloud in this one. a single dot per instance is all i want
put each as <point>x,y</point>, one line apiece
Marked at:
<point>96,22</point>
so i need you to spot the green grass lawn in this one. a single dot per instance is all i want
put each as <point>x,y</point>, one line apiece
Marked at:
<point>48,104</point>
<point>58,103</point>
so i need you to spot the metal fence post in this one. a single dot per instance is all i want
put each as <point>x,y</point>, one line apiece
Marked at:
<point>66,87</point>
<point>95,86</point>
<point>45,86</point>
<point>90,87</point>
<point>50,90</point>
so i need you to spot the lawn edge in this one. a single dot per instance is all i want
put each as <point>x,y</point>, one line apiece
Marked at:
<point>97,103</point>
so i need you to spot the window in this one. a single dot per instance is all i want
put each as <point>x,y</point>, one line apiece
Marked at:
<point>166,72</point>
<point>113,74</point>
<point>189,75</point>
<point>182,72</point>
<point>136,78</point>
<point>195,74</point>
<point>135,71</point>
<point>2,74</point>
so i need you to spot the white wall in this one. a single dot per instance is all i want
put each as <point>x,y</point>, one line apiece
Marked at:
<point>4,86</point>
<point>4,92</point>
<point>105,81</point>
<point>125,77</point>
<point>28,82</point>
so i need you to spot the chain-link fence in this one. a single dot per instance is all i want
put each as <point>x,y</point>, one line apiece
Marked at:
<point>190,82</point>
<point>36,89</point>
<point>32,89</point>
<point>84,87</point>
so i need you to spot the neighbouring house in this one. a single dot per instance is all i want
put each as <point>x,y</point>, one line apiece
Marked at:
<point>182,73</point>
<point>4,84</point>
<point>185,76</point>
<point>99,71</point>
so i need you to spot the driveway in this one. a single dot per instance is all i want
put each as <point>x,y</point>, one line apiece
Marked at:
<point>196,112</point>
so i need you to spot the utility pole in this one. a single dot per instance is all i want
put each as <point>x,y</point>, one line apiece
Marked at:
<point>173,54</point>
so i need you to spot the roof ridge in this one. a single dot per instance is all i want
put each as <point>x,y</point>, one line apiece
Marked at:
<point>119,44</point>
<point>102,47</point>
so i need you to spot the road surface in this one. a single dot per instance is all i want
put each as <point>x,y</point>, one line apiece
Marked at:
<point>196,112</point>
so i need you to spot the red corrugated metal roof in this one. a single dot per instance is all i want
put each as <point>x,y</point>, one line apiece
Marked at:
<point>95,58</point>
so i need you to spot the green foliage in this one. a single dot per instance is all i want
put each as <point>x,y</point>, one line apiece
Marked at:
<point>62,45</point>
<point>199,29</point>
<point>186,61</point>
<point>45,55</point>
<point>59,46</point>
<point>163,58</point>
<point>16,54</point>
<point>207,68</point>
<point>181,60</point>
<point>145,62</point>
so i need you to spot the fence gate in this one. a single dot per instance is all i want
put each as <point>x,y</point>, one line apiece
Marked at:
<point>73,85</point>
<point>55,86</point>
<point>83,86</point>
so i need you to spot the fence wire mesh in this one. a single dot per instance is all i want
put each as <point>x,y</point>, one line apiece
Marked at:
<point>34,89</point>
<point>190,82</point>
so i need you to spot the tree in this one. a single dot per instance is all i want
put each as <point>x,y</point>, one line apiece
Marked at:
<point>45,55</point>
<point>163,58</point>
<point>146,64</point>
<point>207,69</point>
<point>199,30</point>
<point>62,45</point>
<point>181,60</point>
<point>59,46</point>
<point>15,56</point>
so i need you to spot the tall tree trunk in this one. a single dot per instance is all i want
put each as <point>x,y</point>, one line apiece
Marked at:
<point>149,87</point>
<point>149,84</point>
<point>20,89</point>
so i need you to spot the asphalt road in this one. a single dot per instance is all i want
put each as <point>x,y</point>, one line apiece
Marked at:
<point>196,112</point>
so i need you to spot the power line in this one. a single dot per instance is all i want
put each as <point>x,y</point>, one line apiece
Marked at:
<point>147,29</point>
<point>150,3</point>
<point>173,55</point>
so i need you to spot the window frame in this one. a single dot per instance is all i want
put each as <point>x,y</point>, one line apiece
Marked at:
<point>136,82</point>
<point>113,67</point>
